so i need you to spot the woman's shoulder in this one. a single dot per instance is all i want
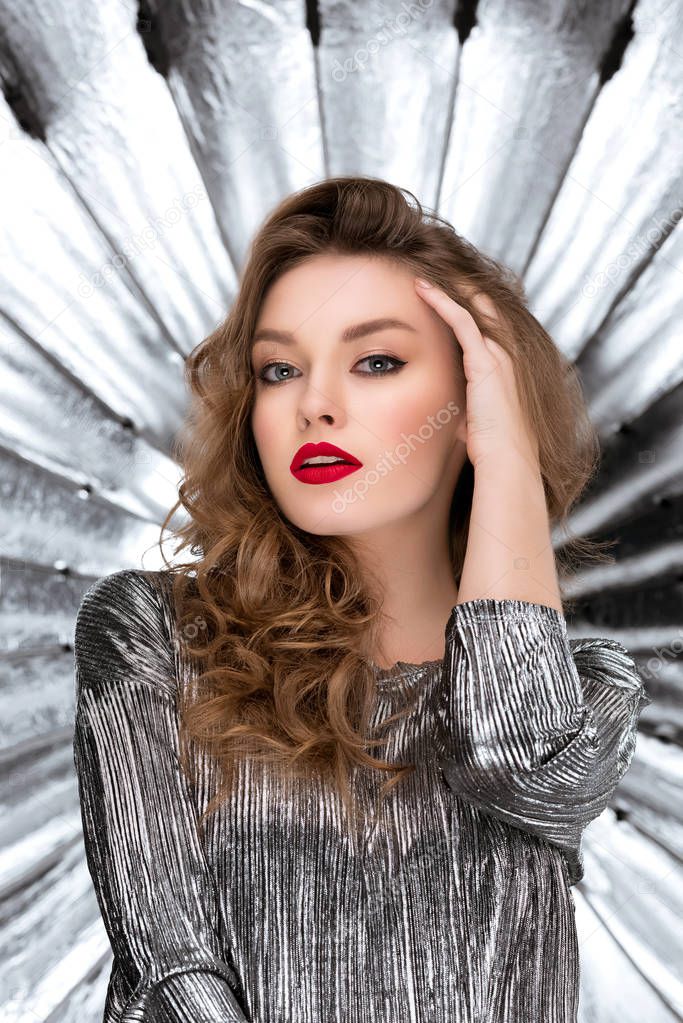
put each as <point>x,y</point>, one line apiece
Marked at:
<point>124,621</point>
<point>127,591</point>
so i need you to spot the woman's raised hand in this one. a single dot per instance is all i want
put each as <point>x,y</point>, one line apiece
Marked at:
<point>495,425</point>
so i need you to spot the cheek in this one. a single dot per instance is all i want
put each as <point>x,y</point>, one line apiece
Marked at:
<point>264,421</point>
<point>434,404</point>
<point>416,437</point>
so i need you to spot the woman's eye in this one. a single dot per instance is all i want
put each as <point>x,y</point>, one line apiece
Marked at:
<point>372,359</point>
<point>274,365</point>
<point>379,358</point>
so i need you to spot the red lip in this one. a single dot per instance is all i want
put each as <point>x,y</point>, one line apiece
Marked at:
<point>322,473</point>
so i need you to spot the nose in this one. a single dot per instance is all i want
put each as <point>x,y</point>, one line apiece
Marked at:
<point>315,404</point>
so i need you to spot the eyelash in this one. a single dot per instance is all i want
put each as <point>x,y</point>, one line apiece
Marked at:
<point>377,355</point>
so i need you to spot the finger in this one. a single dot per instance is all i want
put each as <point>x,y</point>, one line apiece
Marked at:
<point>460,321</point>
<point>497,351</point>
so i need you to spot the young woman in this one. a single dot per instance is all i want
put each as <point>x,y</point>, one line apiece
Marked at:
<point>372,469</point>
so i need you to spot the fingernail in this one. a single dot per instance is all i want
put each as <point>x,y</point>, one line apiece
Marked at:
<point>421,283</point>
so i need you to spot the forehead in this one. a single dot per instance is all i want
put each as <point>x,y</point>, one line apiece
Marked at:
<point>327,294</point>
<point>330,286</point>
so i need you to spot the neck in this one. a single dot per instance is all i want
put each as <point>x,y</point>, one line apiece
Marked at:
<point>413,577</point>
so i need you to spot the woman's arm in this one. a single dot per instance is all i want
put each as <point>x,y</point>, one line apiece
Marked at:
<point>153,885</point>
<point>509,550</point>
<point>542,728</point>
<point>509,546</point>
<point>545,727</point>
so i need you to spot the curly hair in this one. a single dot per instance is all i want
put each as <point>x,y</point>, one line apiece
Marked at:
<point>283,662</point>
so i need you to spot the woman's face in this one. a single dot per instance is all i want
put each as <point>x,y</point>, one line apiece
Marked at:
<point>391,397</point>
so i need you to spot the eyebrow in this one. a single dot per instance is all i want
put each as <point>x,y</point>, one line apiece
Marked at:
<point>351,333</point>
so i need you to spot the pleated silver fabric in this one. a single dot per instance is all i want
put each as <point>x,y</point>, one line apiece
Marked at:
<point>456,904</point>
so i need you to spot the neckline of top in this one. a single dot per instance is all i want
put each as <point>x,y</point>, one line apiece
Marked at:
<point>402,670</point>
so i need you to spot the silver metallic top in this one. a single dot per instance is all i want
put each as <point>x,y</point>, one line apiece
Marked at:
<point>456,906</point>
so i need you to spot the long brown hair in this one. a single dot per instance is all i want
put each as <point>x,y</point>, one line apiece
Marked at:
<point>286,623</point>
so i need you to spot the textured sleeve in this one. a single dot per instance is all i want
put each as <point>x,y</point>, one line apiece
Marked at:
<point>155,890</point>
<point>541,727</point>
